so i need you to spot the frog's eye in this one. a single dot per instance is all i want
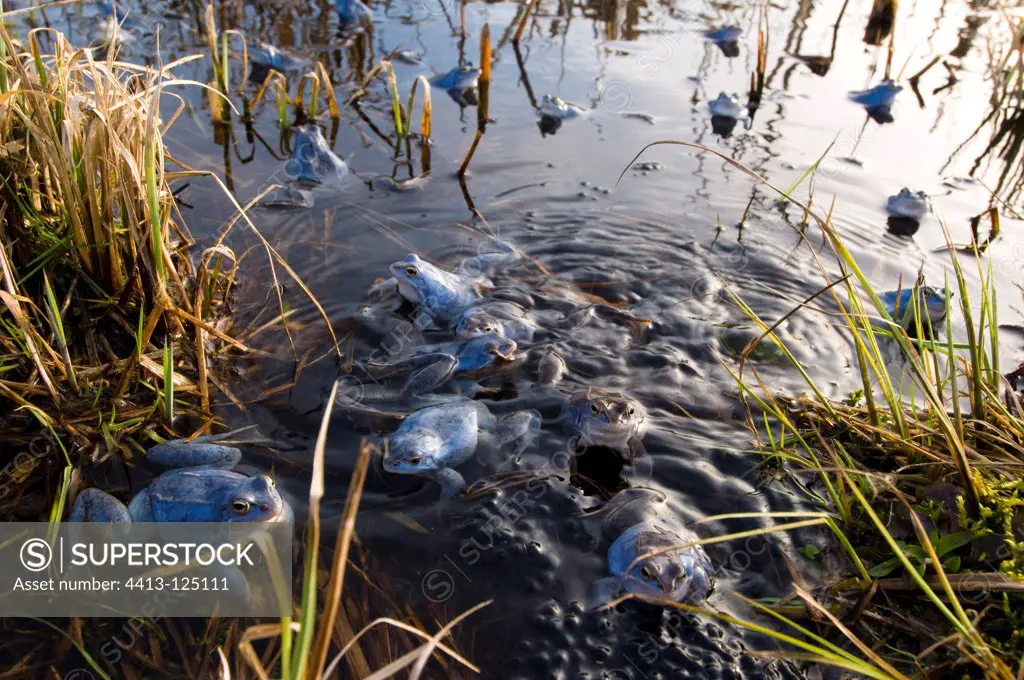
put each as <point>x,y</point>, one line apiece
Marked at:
<point>648,573</point>
<point>414,460</point>
<point>240,507</point>
<point>595,409</point>
<point>412,271</point>
<point>630,412</point>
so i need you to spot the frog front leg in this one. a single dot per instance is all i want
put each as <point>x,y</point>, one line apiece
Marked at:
<point>140,508</point>
<point>93,505</point>
<point>451,482</point>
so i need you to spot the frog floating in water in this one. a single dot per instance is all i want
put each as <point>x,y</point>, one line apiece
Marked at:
<point>727,39</point>
<point>882,95</point>
<point>724,34</point>
<point>495,317</point>
<point>313,163</point>
<point>313,168</point>
<point>198,486</point>
<point>435,365</point>
<point>443,295</point>
<point>604,418</point>
<point>433,441</point>
<point>439,293</point>
<point>727,106</point>
<point>909,204</point>
<point>555,107</point>
<point>878,100</point>
<point>931,306</point>
<point>265,58</point>
<point>638,522</point>
<point>460,83</point>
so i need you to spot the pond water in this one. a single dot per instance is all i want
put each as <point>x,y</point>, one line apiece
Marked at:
<point>663,242</point>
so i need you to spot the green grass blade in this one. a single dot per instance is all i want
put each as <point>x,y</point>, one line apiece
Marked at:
<point>168,382</point>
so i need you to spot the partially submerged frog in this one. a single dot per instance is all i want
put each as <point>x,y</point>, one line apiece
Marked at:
<point>460,83</point>
<point>495,317</point>
<point>443,295</point>
<point>410,57</point>
<point>438,293</point>
<point>727,39</point>
<point>931,307</point>
<point>727,106</point>
<point>198,486</point>
<point>266,57</point>
<point>313,168</point>
<point>114,27</point>
<point>909,204</point>
<point>433,441</point>
<point>724,34</point>
<point>638,523</point>
<point>606,418</point>
<point>435,365</point>
<point>551,368</point>
<point>555,107</point>
<point>313,163</point>
<point>879,97</point>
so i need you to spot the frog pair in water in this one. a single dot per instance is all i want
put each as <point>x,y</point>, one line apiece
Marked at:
<point>652,554</point>
<point>432,366</point>
<point>198,486</point>
<point>487,332</point>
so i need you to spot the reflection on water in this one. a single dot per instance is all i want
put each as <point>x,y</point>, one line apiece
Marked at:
<point>663,243</point>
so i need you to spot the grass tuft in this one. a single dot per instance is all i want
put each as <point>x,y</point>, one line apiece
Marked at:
<point>921,469</point>
<point>86,220</point>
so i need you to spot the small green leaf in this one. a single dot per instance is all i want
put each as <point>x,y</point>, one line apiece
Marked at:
<point>168,382</point>
<point>884,569</point>
<point>810,551</point>
<point>950,542</point>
